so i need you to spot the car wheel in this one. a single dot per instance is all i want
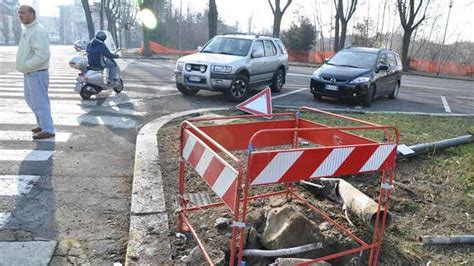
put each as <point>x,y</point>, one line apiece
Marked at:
<point>185,90</point>
<point>278,81</point>
<point>395,92</point>
<point>119,88</point>
<point>239,90</point>
<point>317,96</point>
<point>370,96</point>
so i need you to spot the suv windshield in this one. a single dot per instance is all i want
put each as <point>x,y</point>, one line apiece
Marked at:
<point>230,46</point>
<point>354,59</point>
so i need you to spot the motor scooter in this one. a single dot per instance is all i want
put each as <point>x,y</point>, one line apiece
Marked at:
<point>91,81</point>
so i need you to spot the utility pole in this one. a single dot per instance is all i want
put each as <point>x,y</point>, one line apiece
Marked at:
<point>444,38</point>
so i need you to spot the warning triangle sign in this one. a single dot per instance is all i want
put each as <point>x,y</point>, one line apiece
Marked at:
<point>259,104</point>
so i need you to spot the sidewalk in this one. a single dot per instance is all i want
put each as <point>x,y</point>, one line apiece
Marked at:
<point>148,235</point>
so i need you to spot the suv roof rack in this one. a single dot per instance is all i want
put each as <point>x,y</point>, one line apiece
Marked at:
<point>264,35</point>
<point>236,33</point>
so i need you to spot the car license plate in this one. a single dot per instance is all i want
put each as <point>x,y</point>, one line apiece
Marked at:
<point>194,79</point>
<point>332,87</point>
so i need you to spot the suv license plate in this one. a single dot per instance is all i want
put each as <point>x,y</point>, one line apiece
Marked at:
<point>194,79</point>
<point>332,87</point>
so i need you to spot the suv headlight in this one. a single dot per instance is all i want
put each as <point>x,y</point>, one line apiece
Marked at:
<point>179,65</point>
<point>360,80</point>
<point>221,69</point>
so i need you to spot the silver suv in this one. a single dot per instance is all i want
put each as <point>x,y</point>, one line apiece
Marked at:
<point>234,64</point>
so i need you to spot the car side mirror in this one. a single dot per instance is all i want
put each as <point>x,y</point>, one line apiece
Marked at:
<point>382,67</point>
<point>199,48</point>
<point>257,54</point>
<point>325,60</point>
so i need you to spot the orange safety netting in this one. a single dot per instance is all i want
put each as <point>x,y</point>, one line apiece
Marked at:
<point>308,57</point>
<point>158,48</point>
<point>445,67</point>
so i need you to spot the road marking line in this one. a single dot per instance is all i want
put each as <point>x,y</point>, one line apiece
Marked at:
<point>17,88</point>
<point>70,120</point>
<point>25,155</point>
<point>445,104</point>
<point>288,93</point>
<point>27,136</point>
<point>299,75</point>
<point>14,185</point>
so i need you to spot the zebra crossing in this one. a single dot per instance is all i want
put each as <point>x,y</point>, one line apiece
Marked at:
<point>69,111</point>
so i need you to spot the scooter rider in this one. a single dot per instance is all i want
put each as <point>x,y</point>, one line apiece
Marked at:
<point>100,57</point>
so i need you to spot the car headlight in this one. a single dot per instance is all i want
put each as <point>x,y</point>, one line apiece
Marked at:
<point>222,69</point>
<point>317,74</point>
<point>179,65</point>
<point>360,80</point>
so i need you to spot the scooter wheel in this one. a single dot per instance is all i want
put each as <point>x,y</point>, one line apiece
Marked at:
<point>85,93</point>
<point>119,87</point>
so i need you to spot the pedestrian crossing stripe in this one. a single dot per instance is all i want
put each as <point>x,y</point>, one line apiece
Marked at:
<point>25,155</point>
<point>60,108</point>
<point>10,135</point>
<point>16,185</point>
<point>70,120</point>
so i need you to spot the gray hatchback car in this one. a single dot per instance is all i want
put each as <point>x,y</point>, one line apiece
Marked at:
<point>234,64</point>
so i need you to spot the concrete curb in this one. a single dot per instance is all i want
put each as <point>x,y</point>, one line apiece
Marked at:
<point>148,231</point>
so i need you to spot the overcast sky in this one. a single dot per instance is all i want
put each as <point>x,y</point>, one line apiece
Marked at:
<point>461,24</point>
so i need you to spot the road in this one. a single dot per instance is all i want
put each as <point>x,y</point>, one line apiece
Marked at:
<point>76,188</point>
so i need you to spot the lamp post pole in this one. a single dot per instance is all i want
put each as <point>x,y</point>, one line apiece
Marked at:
<point>444,38</point>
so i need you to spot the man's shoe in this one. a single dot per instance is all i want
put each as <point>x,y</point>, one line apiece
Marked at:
<point>43,135</point>
<point>36,130</point>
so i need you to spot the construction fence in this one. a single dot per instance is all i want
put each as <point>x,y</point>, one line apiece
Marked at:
<point>318,57</point>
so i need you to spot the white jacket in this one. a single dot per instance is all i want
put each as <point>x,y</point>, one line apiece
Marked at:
<point>33,51</point>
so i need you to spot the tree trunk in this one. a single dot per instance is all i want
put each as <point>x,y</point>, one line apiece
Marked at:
<point>276,24</point>
<point>149,4</point>
<point>90,23</point>
<point>146,42</point>
<point>101,14</point>
<point>405,47</point>
<point>212,18</point>
<point>336,33</point>
<point>277,15</point>
<point>342,38</point>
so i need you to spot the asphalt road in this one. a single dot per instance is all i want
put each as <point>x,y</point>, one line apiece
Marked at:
<point>76,189</point>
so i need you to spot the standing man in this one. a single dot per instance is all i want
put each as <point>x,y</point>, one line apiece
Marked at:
<point>32,60</point>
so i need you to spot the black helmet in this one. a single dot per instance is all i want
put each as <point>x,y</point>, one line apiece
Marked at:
<point>101,35</point>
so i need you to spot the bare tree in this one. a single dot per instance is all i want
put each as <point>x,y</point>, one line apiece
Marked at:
<point>127,19</point>
<point>277,15</point>
<point>112,12</point>
<point>319,24</point>
<point>250,19</point>
<point>212,16</point>
<point>407,20</point>
<point>341,21</point>
<point>90,23</point>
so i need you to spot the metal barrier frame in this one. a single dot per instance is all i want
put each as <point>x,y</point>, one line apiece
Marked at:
<point>243,196</point>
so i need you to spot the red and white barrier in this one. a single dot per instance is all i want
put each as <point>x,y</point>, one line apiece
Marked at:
<point>217,173</point>
<point>292,166</point>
